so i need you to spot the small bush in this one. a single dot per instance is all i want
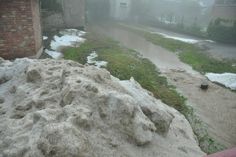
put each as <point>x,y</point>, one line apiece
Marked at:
<point>222,30</point>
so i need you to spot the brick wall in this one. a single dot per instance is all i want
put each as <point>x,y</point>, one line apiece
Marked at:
<point>20,31</point>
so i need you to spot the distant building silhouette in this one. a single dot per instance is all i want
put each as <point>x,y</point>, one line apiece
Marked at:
<point>63,13</point>
<point>224,9</point>
<point>120,9</point>
<point>74,13</point>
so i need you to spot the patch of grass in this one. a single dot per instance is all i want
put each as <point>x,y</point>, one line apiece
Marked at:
<point>170,44</point>
<point>203,63</point>
<point>79,54</point>
<point>208,144</point>
<point>191,55</point>
<point>188,53</point>
<point>93,43</point>
<point>124,63</point>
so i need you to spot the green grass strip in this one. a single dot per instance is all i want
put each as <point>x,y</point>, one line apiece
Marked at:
<point>124,63</point>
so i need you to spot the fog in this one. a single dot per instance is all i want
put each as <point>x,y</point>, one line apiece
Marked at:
<point>185,12</point>
<point>135,78</point>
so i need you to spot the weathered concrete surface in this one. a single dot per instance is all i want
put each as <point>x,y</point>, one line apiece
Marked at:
<point>52,20</point>
<point>70,15</point>
<point>61,108</point>
<point>74,13</point>
<point>120,9</point>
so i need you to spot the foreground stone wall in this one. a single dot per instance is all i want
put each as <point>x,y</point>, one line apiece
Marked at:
<point>20,29</point>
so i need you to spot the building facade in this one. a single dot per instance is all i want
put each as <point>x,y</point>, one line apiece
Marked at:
<point>20,29</point>
<point>224,9</point>
<point>74,13</point>
<point>120,9</point>
<point>63,13</point>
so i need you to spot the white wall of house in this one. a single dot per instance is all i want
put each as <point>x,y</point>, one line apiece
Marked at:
<point>120,9</point>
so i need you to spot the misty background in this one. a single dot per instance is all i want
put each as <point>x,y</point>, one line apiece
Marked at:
<point>201,18</point>
<point>186,12</point>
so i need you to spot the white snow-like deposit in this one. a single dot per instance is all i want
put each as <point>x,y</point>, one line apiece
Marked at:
<point>65,41</point>
<point>69,37</point>
<point>91,60</point>
<point>66,38</point>
<point>226,79</point>
<point>210,41</point>
<point>73,32</point>
<point>54,54</point>
<point>45,38</point>
<point>65,109</point>
<point>186,40</point>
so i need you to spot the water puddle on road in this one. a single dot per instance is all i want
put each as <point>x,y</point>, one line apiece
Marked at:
<point>161,57</point>
<point>213,106</point>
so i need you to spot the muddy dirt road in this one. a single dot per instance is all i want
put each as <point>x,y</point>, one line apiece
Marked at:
<point>216,107</point>
<point>212,48</point>
<point>215,49</point>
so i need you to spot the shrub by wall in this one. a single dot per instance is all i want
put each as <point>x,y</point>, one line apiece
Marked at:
<point>222,30</point>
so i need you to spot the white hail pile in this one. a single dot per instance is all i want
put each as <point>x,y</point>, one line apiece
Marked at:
<point>226,79</point>
<point>91,59</point>
<point>57,108</point>
<point>66,38</point>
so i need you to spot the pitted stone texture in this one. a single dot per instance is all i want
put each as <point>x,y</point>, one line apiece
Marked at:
<point>62,108</point>
<point>154,109</point>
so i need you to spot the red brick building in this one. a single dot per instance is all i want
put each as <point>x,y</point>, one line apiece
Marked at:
<point>20,28</point>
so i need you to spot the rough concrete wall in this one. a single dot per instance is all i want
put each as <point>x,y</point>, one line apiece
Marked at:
<point>52,20</point>
<point>112,8</point>
<point>74,13</point>
<point>17,29</point>
<point>36,24</point>
<point>52,15</point>
<point>120,9</point>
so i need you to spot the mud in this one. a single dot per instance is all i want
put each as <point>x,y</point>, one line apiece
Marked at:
<point>216,107</point>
